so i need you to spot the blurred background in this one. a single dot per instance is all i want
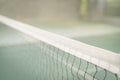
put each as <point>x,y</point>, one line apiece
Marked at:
<point>90,10</point>
<point>95,22</point>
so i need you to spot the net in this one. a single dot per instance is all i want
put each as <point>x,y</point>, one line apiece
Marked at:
<point>61,58</point>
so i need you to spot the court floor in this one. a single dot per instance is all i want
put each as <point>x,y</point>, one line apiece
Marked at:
<point>109,42</point>
<point>97,34</point>
<point>100,35</point>
<point>18,61</point>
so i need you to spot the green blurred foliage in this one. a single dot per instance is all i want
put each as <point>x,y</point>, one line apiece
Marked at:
<point>112,8</point>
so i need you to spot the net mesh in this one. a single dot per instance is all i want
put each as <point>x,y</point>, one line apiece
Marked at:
<point>54,63</point>
<point>57,64</point>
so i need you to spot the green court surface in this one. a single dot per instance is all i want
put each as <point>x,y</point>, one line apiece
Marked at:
<point>20,59</point>
<point>16,58</point>
<point>97,34</point>
<point>77,28</point>
<point>110,41</point>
